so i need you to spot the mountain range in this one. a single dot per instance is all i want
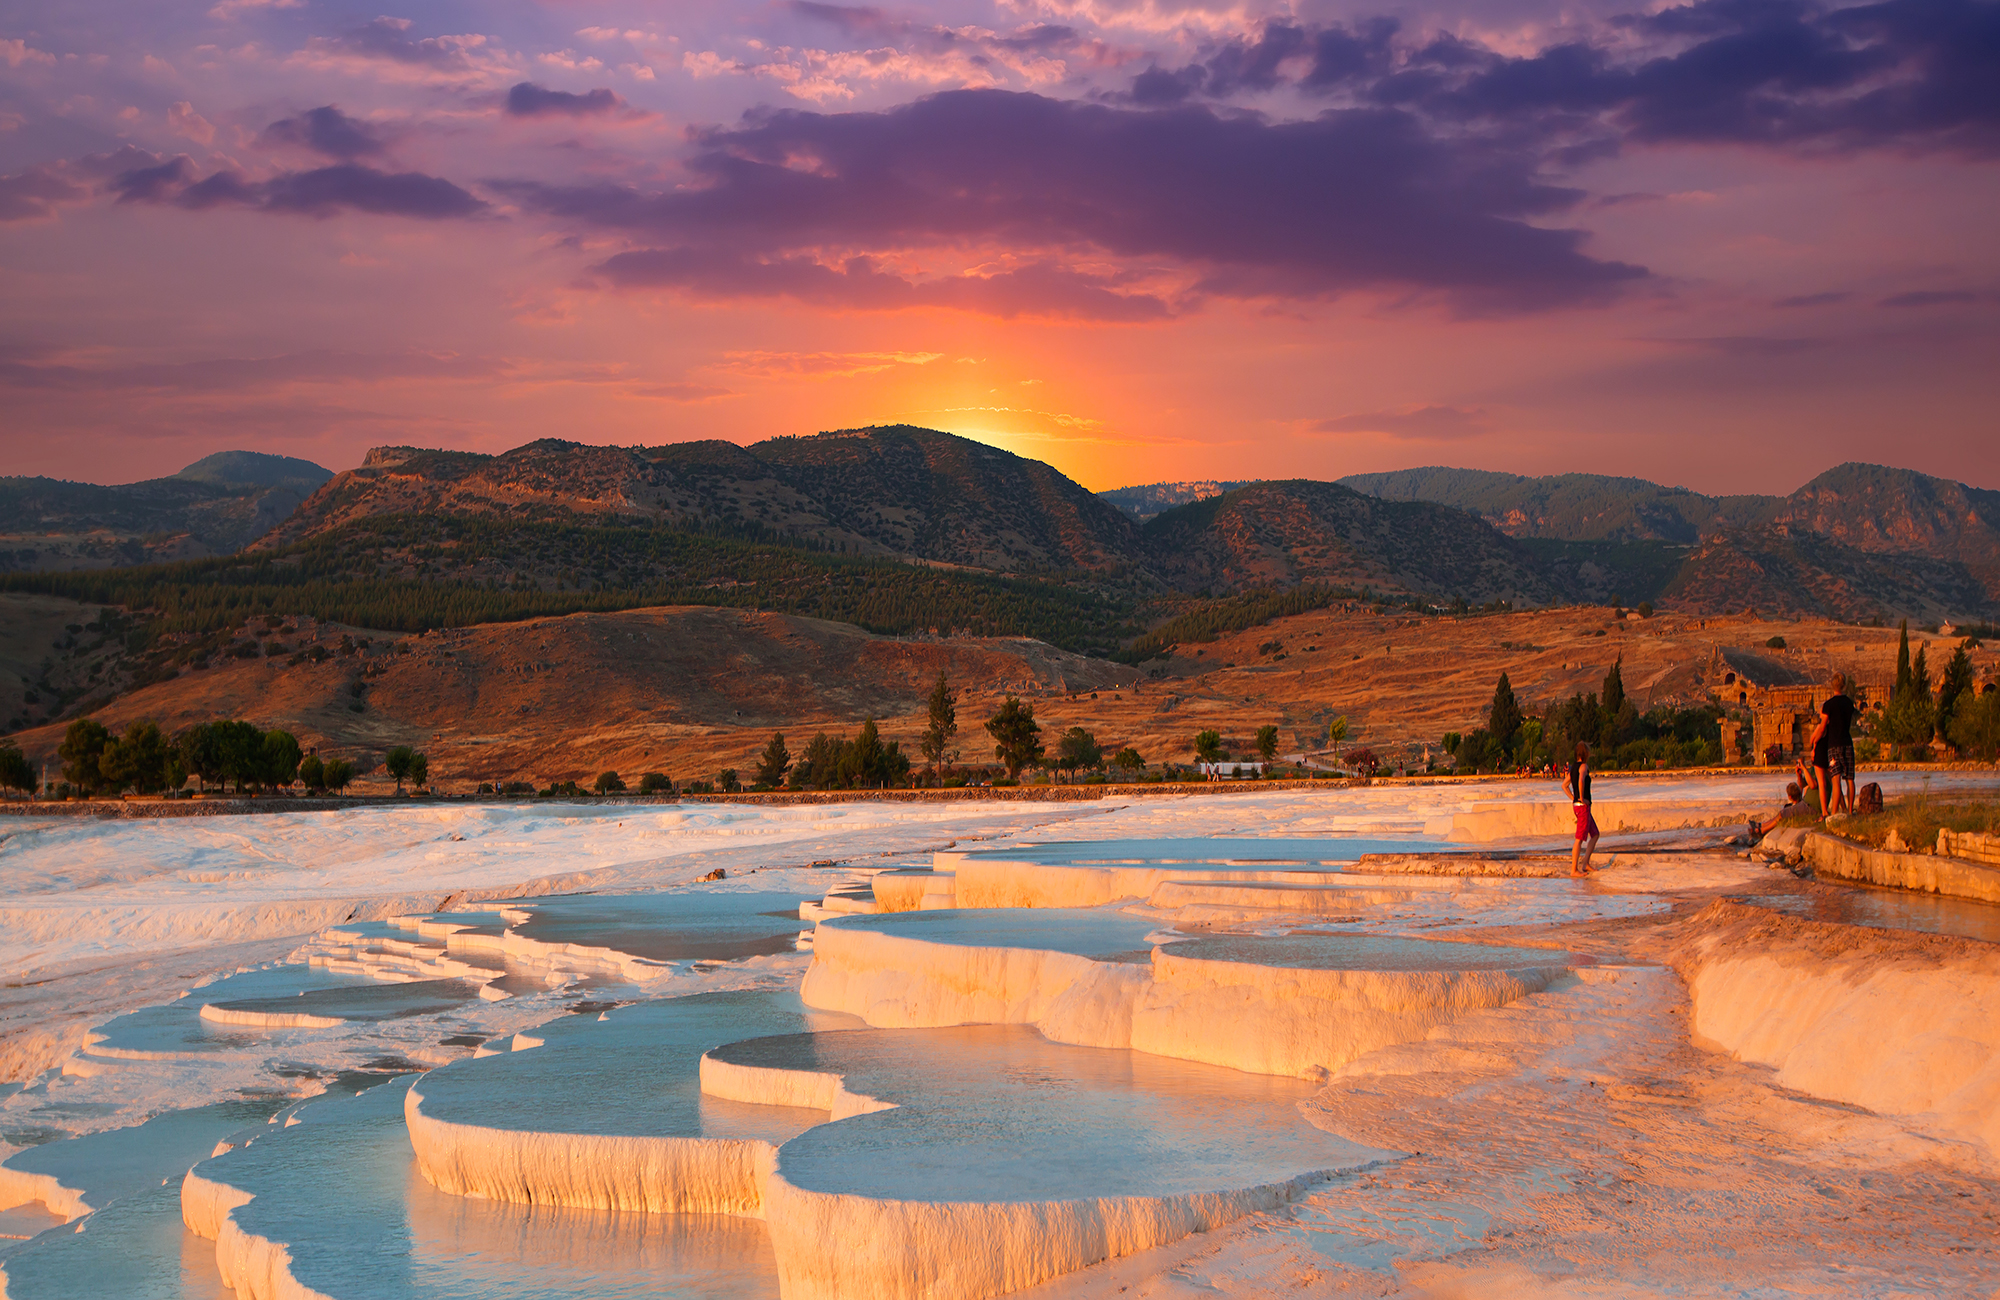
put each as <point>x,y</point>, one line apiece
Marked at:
<point>1858,541</point>
<point>716,521</point>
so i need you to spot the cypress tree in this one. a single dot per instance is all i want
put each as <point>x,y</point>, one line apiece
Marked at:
<point>1614,689</point>
<point>1505,719</point>
<point>943,706</point>
<point>1902,663</point>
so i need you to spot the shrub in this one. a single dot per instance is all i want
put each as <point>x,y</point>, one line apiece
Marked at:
<point>1775,643</point>
<point>518,787</point>
<point>655,783</point>
<point>338,773</point>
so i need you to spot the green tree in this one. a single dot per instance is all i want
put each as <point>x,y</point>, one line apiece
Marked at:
<point>656,783</point>
<point>281,758</point>
<point>1614,693</point>
<point>819,767</point>
<point>338,773</point>
<point>774,762</point>
<point>1504,719</point>
<point>82,745</point>
<point>239,751</point>
<point>943,724</point>
<point>727,782</point>
<point>16,772</point>
<point>201,752</point>
<point>137,759</point>
<point>862,761</point>
<point>609,783</point>
<point>312,773</point>
<point>420,770</point>
<point>1975,724</point>
<point>1078,749</point>
<point>1958,681</point>
<point>1128,760</point>
<point>1902,662</point>
<point>1208,746</point>
<point>397,762</point>
<point>1016,736</point>
<point>1336,731</point>
<point>1911,718</point>
<point>1267,742</point>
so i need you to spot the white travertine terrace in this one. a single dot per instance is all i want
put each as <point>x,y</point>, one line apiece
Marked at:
<point>1899,1024</point>
<point>1296,1007</point>
<point>908,1159</point>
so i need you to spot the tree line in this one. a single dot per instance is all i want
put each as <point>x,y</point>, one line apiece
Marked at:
<point>222,753</point>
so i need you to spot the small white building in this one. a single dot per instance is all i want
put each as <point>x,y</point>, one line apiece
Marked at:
<point>1230,771</point>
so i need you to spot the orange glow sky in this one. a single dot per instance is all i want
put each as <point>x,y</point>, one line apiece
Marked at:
<point>1244,246</point>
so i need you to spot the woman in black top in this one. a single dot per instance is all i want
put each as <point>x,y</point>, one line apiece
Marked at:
<point>1576,784</point>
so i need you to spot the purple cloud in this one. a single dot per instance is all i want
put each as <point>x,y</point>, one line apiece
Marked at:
<point>1422,424</point>
<point>1933,298</point>
<point>1349,200</point>
<point>1040,289</point>
<point>32,195</point>
<point>529,100</point>
<point>325,130</point>
<point>1775,72</point>
<point>319,193</point>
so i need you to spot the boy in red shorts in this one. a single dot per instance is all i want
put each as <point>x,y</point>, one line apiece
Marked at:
<point>1576,784</point>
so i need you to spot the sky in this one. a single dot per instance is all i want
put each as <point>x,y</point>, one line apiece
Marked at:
<point>1725,244</point>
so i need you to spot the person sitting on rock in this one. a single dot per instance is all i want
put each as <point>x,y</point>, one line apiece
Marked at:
<point>1795,797</point>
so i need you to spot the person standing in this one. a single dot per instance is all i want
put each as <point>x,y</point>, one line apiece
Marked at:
<point>1836,732</point>
<point>1576,784</point>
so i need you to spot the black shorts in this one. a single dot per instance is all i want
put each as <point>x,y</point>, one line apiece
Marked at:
<point>1819,753</point>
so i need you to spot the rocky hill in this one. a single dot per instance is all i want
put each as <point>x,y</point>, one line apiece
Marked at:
<point>1146,500</point>
<point>891,491</point>
<point>1294,531</point>
<point>215,506</point>
<point>1571,507</point>
<point>1858,541</point>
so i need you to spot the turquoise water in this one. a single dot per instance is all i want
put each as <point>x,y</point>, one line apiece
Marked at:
<point>1361,952</point>
<point>999,1113</point>
<point>1085,932</point>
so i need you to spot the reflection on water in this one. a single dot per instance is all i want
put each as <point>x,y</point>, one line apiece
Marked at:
<point>465,1247</point>
<point>1889,909</point>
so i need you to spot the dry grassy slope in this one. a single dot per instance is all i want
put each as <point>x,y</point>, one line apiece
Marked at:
<point>690,690</point>
<point>685,690</point>
<point>1299,530</point>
